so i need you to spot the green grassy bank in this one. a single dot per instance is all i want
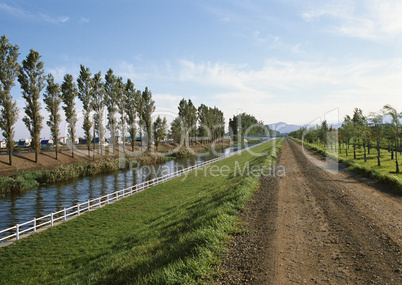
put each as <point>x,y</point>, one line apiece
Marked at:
<point>173,233</point>
<point>384,174</point>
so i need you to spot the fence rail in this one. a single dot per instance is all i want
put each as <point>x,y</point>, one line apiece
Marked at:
<point>54,218</point>
<point>29,227</point>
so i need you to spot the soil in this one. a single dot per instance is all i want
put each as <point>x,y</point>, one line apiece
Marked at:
<point>47,159</point>
<point>317,226</point>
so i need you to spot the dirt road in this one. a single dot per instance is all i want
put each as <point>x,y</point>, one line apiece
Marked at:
<point>315,227</point>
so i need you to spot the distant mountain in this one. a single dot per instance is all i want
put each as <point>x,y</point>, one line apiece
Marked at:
<point>284,128</point>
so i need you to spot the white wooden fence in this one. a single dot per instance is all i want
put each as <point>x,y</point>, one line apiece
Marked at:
<point>52,219</point>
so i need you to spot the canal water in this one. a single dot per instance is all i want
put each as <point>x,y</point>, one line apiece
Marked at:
<point>22,207</point>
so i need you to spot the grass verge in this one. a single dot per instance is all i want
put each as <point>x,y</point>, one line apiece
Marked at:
<point>173,233</point>
<point>384,174</point>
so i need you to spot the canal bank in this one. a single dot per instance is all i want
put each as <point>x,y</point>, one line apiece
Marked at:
<point>23,206</point>
<point>174,231</point>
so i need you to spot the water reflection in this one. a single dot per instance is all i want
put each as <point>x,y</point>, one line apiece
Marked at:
<point>23,207</point>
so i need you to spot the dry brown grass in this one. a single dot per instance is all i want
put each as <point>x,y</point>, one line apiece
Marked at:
<point>47,160</point>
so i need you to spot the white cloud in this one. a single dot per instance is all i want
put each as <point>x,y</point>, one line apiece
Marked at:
<point>84,20</point>
<point>126,70</point>
<point>14,11</point>
<point>374,20</point>
<point>58,73</point>
<point>19,12</point>
<point>57,20</point>
<point>297,91</point>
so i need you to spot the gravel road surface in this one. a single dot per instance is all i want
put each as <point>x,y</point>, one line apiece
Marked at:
<point>314,226</point>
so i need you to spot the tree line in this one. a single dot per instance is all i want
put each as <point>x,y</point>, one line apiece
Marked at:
<point>244,124</point>
<point>360,131</point>
<point>104,99</point>
<point>96,93</point>
<point>202,124</point>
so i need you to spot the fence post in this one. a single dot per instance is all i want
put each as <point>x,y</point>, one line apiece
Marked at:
<point>145,185</point>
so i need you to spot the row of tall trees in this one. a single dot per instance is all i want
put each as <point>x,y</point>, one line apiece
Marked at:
<point>244,124</point>
<point>193,124</point>
<point>368,130</point>
<point>127,110</point>
<point>126,107</point>
<point>363,131</point>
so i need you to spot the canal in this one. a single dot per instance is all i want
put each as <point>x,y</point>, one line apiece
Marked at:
<point>21,207</point>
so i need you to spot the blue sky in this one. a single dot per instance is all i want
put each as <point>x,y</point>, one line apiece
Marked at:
<point>280,60</point>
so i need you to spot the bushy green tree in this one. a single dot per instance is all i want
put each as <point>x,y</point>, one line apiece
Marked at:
<point>188,115</point>
<point>69,92</point>
<point>347,132</point>
<point>121,106</point>
<point>204,123</point>
<point>395,123</point>
<point>85,85</point>
<point>31,80</point>
<point>160,130</point>
<point>378,129</point>
<point>130,102</point>
<point>176,130</point>
<point>52,99</point>
<point>9,70</point>
<point>112,94</point>
<point>140,107</point>
<point>217,123</point>
<point>147,110</point>
<point>98,106</point>
<point>246,125</point>
<point>323,133</point>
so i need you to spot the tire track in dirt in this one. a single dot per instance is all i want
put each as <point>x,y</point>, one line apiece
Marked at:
<point>316,227</point>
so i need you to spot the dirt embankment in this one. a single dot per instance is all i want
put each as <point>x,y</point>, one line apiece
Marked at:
<point>314,226</point>
<point>47,160</point>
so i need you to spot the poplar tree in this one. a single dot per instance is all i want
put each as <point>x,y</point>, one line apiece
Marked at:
<point>9,69</point>
<point>160,130</point>
<point>52,99</point>
<point>146,114</point>
<point>31,80</point>
<point>183,114</point>
<point>130,103</point>
<point>188,114</point>
<point>204,129</point>
<point>140,107</point>
<point>98,106</point>
<point>176,130</point>
<point>121,99</point>
<point>85,95</point>
<point>192,119</point>
<point>216,122</point>
<point>69,93</point>
<point>111,102</point>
